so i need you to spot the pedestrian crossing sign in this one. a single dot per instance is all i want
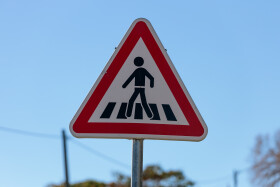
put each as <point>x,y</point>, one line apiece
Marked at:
<point>139,95</point>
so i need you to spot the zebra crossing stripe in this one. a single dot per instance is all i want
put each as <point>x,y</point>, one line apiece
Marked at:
<point>168,112</point>
<point>138,113</point>
<point>122,111</point>
<point>155,111</point>
<point>108,110</point>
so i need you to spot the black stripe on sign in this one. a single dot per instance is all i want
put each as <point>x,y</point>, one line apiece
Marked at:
<point>155,112</point>
<point>168,112</point>
<point>138,111</point>
<point>122,111</point>
<point>108,110</point>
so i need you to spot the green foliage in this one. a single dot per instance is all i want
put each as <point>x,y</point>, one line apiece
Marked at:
<point>89,183</point>
<point>153,172</point>
<point>153,176</point>
<point>121,180</point>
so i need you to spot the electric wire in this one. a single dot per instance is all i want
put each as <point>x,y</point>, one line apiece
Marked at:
<point>53,136</point>
<point>212,181</point>
<point>244,169</point>
<point>220,179</point>
<point>101,155</point>
<point>29,133</point>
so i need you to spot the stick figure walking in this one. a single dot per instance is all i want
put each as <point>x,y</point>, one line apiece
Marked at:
<point>139,74</point>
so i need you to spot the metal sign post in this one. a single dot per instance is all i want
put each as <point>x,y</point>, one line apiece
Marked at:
<point>121,104</point>
<point>137,163</point>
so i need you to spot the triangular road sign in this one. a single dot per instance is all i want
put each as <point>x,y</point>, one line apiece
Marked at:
<point>139,95</point>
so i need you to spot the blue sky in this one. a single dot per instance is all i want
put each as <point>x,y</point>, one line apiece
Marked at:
<point>51,53</point>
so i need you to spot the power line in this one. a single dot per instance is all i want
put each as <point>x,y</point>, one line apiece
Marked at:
<point>245,169</point>
<point>53,136</point>
<point>210,181</point>
<point>29,133</point>
<point>101,155</point>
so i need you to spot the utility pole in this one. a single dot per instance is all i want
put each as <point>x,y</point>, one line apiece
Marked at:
<point>235,178</point>
<point>65,159</point>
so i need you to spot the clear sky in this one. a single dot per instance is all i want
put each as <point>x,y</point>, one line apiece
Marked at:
<point>51,53</point>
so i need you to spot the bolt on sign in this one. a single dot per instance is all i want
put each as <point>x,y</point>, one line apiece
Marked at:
<point>139,95</point>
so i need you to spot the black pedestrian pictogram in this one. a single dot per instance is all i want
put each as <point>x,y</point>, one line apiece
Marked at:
<point>139,75</point>
<point>125,108</point>
<point>155,112</point>
<point>121,113</point>
<point>138,111</point>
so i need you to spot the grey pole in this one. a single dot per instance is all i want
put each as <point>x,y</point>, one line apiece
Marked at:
<point>65,159</point>
<point>137,163</point>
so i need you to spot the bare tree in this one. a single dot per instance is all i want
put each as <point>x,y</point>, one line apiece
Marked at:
<point>266,161</point>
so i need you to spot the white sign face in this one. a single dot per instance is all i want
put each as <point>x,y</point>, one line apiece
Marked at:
<point>139,94</point>
<point>157,96</point>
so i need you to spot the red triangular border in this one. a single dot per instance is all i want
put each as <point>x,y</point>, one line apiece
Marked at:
<point>195,131</point>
